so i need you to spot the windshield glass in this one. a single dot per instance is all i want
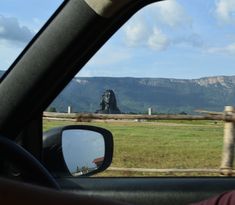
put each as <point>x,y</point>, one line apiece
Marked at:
<point>19,22</point>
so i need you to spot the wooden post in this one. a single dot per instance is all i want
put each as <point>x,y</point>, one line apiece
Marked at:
<point>228,147</point>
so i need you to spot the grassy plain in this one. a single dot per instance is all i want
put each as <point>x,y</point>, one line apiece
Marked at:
<point>161,144</point>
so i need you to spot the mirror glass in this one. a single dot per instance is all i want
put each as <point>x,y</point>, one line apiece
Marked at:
<point>83,151</point>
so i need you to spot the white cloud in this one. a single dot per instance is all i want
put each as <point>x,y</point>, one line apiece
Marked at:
<point>228,49</point>
<point>110,55</point>
<point>157,40</point>
<point>10,29</point>
<point>144,28</point>
<point>225,11</point>
<point>139,34</point>
<point>136,32</point>
<point>171,13</point>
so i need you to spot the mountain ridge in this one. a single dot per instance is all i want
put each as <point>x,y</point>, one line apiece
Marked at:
<point>135,95</point>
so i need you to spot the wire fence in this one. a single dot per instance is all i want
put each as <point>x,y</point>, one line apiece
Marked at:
<point>228,116</point>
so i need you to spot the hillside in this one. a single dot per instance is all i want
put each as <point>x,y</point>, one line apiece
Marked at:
<point>1,72</point>
<point>137,94</point>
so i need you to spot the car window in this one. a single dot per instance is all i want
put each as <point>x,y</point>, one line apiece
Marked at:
<point>173,58</point>
<point>19,22</point>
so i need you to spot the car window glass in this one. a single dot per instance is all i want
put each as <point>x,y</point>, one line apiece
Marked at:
<point>173,58</point>
<point>19,22</point>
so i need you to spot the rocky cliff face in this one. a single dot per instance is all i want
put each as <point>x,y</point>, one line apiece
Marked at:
<point>228,82</point>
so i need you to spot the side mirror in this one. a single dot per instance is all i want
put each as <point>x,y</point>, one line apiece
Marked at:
<point>77,150</point>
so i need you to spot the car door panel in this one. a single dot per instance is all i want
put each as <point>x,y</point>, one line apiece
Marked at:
<point>164,191</point>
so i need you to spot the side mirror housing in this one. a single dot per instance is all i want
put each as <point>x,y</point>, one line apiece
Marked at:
<point>77,150</point>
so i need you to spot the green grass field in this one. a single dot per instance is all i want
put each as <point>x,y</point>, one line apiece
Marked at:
<point>161,144</point>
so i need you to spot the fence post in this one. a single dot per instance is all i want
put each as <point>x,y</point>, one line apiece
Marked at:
<point>69,110</point>
<point>228,147</point>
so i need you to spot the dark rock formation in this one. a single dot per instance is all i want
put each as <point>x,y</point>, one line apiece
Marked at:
<point>108,104</point>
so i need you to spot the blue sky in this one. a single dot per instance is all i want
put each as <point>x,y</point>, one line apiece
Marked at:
<point>170,39</point>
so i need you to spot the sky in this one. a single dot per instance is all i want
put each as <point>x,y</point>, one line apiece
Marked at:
<point>170,39</point>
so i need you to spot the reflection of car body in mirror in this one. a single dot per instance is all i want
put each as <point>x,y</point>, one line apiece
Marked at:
<point>98,161</point>
<point>77,150</point>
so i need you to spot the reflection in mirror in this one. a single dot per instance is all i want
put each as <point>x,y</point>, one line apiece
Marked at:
<point>83,151</point>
